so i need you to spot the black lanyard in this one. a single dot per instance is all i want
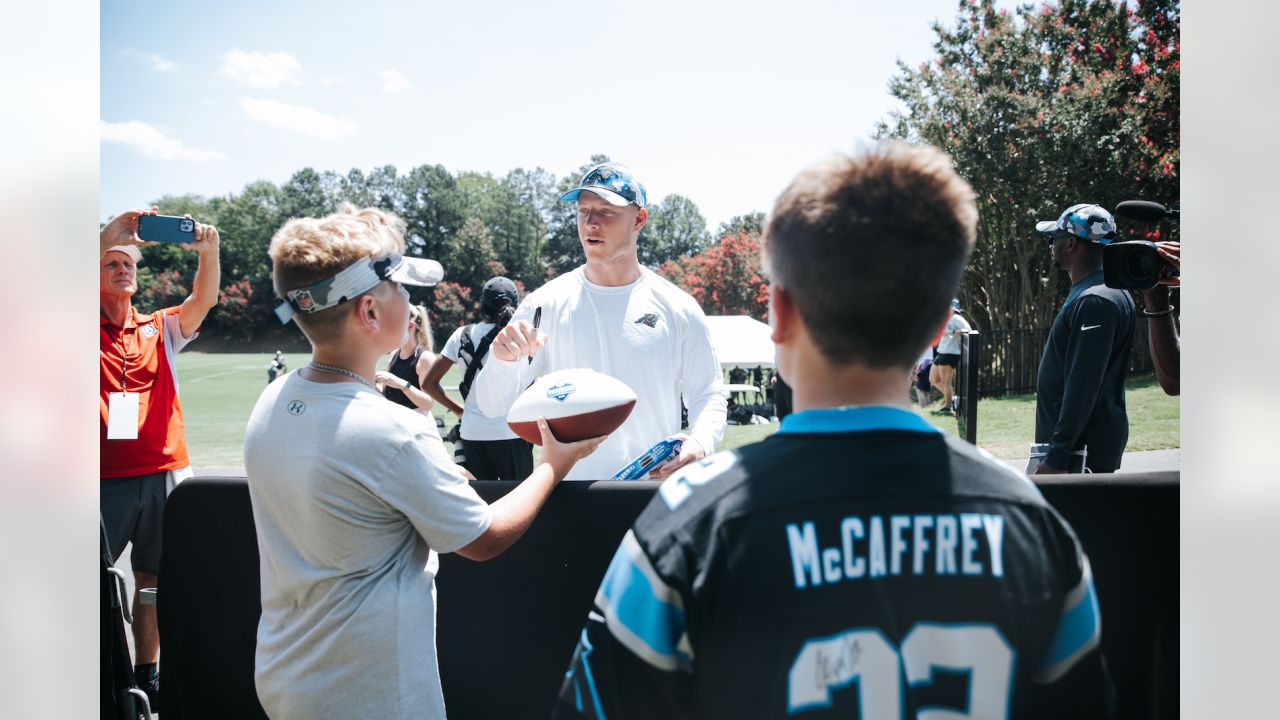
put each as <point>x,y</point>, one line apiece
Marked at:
<point>118,341</point>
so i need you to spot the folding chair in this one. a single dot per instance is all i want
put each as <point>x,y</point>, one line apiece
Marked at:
<point>121,698</point>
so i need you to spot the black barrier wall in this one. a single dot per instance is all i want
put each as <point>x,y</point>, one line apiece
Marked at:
<point>506,628</point>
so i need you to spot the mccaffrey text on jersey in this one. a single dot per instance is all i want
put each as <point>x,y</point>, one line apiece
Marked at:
<point>880,546</point>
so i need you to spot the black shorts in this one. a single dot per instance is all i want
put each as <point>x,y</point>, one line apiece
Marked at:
<point>948,359</point>
<point>133,511</point>
<point>499,459</point>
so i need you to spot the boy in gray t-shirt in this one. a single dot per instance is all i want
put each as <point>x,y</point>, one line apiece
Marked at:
<point>353,496</point>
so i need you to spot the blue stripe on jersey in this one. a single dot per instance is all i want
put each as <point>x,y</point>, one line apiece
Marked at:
<point>857,418</point>
<point>1079,630</point>
<point>584,653</point>
<point>644,617</point>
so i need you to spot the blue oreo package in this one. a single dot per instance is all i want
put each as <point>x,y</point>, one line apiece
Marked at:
<point>652,458</point>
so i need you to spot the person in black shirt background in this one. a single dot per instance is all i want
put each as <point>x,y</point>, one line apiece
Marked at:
<point>858,563</point>
<point>1080,412</point>
<point>401,382</point>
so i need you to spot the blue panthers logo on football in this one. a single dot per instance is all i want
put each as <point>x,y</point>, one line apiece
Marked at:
<point>561,391</point>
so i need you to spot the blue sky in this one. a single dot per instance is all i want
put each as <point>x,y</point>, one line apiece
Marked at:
<point>721,102</point>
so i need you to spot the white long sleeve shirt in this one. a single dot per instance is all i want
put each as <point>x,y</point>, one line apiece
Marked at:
<point>650,334</point>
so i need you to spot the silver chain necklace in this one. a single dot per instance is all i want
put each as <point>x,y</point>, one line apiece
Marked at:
<point>338,371</point>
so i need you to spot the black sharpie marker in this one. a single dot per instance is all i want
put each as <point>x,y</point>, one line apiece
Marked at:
<point>537,320</point>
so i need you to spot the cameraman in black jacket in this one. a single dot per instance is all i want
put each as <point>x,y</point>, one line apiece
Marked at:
<point>1080,384</point>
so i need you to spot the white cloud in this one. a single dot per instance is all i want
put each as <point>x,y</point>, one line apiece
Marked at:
<point>325,81</point>
<point>152,142</point>
<point>261,70</point>
<point>296,117</point>
<point>392,81</point>
<point>159,63</point>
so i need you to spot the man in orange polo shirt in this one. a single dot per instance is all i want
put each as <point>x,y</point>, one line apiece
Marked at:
<point>143,450</point>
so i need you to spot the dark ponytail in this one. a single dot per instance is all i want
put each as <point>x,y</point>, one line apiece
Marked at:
<point>504,316</point>
<point>498,300</point>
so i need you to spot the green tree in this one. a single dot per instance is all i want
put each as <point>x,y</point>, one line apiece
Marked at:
<point>675,228</point>
<point>381,188</point>
<point>309,193</point>
<point>751,224</point>
<point>1040,109</point>
<point>493,202</point>
<point>433,209</point>
<point>246,223</point>
<point>534,204</point>
<point>466,259</point>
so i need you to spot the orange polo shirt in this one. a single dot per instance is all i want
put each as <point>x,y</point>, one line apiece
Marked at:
<point>133,359</point>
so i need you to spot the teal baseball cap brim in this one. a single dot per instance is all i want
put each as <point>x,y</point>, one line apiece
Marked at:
<point>607,195</point>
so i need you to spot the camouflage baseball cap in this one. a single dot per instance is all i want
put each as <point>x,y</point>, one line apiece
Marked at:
<point>357,278</point>
<point>611,181</point>
<point>1085,221</point>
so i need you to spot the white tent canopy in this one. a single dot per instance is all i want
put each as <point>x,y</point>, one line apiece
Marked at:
<point>740,340</point>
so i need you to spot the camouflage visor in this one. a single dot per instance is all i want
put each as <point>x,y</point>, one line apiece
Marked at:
<point>358,278</point>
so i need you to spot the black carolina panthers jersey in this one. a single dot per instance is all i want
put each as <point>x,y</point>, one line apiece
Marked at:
<point>856,564</point>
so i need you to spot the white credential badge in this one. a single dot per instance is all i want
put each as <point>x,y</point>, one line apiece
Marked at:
<point>122,416</point>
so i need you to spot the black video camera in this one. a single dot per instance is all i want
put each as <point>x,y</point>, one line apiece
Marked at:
<point>1136,265</point>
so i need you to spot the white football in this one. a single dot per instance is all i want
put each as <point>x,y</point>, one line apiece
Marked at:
<point>578,404</point>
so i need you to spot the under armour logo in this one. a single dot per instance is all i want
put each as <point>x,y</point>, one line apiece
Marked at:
<point>648,319</point>
<point>297,407</point>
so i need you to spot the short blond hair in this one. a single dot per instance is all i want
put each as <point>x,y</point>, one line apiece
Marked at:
<point>871,248</point>
<point>306,250</point>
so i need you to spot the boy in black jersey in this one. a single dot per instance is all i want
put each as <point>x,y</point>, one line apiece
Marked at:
<point>858,563</point>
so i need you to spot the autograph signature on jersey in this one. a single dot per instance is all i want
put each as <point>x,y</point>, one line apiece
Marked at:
<point>839,662</point>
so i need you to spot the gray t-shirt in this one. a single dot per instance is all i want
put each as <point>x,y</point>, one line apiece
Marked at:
<point>352,497</point>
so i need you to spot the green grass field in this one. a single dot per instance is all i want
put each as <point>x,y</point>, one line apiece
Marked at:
<point>219,390</point>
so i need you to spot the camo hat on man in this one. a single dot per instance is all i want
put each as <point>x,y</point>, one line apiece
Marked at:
<point>611,181</point>
<point>1085,221</point>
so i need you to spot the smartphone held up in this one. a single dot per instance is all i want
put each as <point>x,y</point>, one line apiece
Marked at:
<point>166,228</point>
